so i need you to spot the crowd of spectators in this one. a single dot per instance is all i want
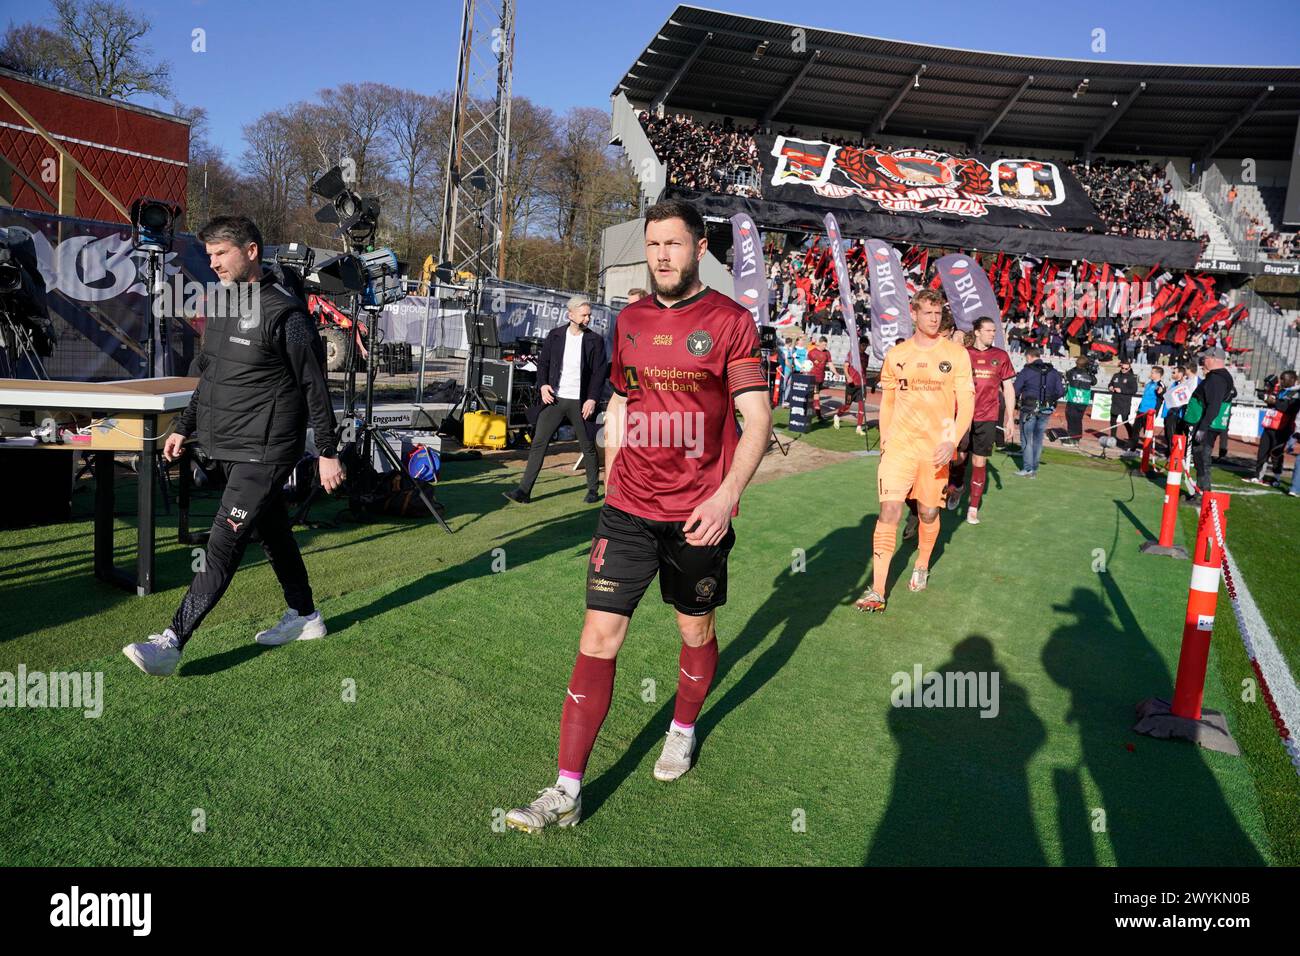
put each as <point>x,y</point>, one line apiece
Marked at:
<point>1281,245</point>
<point>1134,199</point>
<point>710,157</point>
<point>808,298</point>
<point>1115,337</point>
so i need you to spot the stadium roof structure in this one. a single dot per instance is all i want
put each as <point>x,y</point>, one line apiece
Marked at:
<point>746,67</point>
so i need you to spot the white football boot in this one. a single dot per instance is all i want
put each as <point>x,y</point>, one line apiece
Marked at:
<point>675,759</point>
<point>553,807</point>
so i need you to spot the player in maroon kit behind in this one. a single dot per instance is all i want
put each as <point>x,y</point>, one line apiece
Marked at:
<point>820,356</point>
<point>685,360</point>
<point>991,368</point>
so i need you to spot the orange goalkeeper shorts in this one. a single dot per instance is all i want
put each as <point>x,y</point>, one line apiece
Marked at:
<point>906,473</point>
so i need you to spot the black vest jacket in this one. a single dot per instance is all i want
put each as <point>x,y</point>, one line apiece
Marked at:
<point>250,406</point>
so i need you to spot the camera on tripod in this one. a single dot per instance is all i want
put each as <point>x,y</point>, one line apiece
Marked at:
<point>25,328</point>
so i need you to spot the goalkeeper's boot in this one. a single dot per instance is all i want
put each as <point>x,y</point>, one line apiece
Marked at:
<point>870,601</point>
<point>920,579</point>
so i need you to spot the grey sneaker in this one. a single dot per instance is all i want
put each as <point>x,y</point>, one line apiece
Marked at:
<point>158,656</point>
<point>675,759</point>
<point>553,807</point>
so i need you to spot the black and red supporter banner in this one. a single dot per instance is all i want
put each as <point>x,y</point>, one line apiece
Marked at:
<point>922,182</point>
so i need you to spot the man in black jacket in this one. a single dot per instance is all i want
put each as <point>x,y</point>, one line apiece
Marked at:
<point>262,381</point>
<point>571,372</point>
<point>1123,389</point>
<point>1207,414</point>
<point>1279,422</point>
<point>1079,382</point>
<point>1038,388</point>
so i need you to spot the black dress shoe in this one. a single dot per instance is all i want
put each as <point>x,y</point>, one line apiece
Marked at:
<point>592,498</point>
<point>517,496</point>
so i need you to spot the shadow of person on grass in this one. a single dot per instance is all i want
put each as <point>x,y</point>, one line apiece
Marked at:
<point>797,603</point>
<point>1162,805</point>
<point>960,794</point>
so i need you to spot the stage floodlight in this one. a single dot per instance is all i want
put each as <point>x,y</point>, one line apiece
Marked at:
<point>153,224</point>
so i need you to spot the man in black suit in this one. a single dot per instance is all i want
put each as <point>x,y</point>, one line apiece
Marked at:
<point>571,372</point>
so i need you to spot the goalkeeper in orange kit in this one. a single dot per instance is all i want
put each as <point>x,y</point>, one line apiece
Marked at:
<point>923,379</point>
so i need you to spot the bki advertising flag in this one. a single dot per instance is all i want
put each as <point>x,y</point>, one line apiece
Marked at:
<point>846,290</point>
<point>970,294</point>
<point>747,267</point>
<point>891,313</point>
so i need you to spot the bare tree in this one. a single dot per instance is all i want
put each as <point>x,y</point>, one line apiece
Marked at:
<point>532,143</point>
<point>582,189</point>
<point>270,176</point>
<point>108,56</point>
<point>417,126</point>
<point>37,52</point>
<point>212,185</point>
<point>361,111</point>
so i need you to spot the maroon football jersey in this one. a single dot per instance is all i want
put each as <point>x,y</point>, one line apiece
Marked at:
<point>990,368</point>
<point>679,369</point>
<point>819,357</point>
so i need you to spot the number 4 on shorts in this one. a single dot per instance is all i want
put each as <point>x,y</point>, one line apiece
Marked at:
<point>598,552</point>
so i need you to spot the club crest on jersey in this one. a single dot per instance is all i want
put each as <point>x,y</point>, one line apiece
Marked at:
<point>945,367</point>
<point>699,342</point>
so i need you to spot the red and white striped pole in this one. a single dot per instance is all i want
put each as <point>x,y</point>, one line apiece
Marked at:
<point>1148,434</point>
<point>1202,598</point>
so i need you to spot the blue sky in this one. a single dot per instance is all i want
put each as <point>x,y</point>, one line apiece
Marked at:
<point>264,55</point>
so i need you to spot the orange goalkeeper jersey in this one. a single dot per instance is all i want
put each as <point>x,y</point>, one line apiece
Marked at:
<point>929,395</point>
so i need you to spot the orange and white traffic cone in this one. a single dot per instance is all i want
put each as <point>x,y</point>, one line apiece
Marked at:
<point>1185,718</point>
<point>1169,515</point>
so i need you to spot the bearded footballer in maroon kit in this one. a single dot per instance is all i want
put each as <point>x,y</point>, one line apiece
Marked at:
<point>992,371</point>
<point>685,360</point>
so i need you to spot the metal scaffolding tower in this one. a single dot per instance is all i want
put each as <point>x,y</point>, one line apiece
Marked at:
<point>474,199</point>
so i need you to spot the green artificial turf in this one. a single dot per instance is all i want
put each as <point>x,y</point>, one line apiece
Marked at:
<point>455,672</point>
